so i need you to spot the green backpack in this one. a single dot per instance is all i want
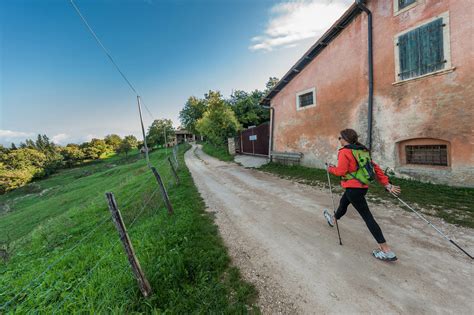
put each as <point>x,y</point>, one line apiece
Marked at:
<point>365,170</point>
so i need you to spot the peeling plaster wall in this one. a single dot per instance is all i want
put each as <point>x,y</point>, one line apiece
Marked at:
<point>439,107</point>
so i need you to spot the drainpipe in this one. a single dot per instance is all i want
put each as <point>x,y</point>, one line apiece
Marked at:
<point>361,6</point>
<point>270,145</point>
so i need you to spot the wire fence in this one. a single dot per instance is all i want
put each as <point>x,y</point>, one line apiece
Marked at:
<point>37,284</point>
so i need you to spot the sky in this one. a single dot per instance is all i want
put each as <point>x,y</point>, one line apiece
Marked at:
<point>56,80</point>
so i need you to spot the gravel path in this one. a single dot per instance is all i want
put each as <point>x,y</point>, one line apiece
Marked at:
<point>278,238</point>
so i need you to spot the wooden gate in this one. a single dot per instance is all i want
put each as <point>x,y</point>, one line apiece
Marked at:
<point>255,140</point>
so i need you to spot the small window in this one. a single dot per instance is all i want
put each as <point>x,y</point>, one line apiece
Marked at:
<point>427,154</point>
<point>400,6</point>
<point>404,3</point>
<point>306,99</point>
<point>423,50</point>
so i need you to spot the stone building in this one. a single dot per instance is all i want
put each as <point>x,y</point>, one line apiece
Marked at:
<point>401,73</point>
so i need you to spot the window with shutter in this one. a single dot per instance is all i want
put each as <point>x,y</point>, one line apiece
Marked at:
<point>421,50</point>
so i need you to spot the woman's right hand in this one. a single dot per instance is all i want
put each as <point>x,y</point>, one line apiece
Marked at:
<point>393,189</point>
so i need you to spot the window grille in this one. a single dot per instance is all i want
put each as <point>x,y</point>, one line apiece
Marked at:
<point>421,50</point>
<point>306,99</point>
<point>427,154</point>
<point>404,3</point>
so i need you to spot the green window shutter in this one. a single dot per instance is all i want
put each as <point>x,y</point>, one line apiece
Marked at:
<point>421,50</point>
<point>408,53</point>
<point>431,44</point>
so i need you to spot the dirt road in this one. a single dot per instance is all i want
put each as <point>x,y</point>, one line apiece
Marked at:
<point>277,236</point>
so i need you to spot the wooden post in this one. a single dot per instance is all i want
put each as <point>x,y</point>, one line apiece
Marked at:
<point>175,153</point>
<point>164,193</point>
<point>174,171</point>
<point>143,283</point>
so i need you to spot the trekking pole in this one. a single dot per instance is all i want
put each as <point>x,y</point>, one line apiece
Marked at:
<point>432,225</point>
<point>333,205</point>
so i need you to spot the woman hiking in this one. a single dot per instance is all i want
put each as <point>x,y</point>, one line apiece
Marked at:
<point>356,173</point>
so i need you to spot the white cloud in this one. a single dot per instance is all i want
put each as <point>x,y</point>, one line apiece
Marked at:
<point>294,21</point>
<point>9,136</point>
<point>61,138</point>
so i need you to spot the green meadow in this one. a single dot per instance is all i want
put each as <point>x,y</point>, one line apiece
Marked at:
<point>63,254</point>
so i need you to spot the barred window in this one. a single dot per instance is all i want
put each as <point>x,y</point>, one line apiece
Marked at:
<point>427,154</point>
<point>306,99</point>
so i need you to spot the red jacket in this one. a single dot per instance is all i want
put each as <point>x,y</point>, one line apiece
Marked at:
<point>346,163</point>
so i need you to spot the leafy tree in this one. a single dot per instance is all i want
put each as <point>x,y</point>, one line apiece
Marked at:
<point>193,111</point>
<point>24,158</point>
<point>157,132</point>
<point>72,154</point>
<point>128,143</point>
<point>272,81</point>
<point>14,178</point>
<point>219,121</point>
<point>247,108</point>
<point>13,146</point>
<point>113,141</point>
<point>95,148</point>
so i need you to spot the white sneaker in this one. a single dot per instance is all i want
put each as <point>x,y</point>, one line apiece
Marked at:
<point>385,256</point>
<point>329,218</point>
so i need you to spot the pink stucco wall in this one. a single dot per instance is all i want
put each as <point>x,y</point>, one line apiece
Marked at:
<point>439,107</point>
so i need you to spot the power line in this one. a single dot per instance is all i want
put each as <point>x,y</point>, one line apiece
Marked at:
<point>121,73</point>
<point>108,54</point>
<point>102,46</point>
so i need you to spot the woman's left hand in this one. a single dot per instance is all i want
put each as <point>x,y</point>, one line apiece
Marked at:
<point>393,189</point>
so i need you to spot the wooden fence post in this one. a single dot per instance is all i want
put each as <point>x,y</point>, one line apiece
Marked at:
<point>164,193</point>
<point>143,283</point>
<point>175,153</point>
<point>174,171</point>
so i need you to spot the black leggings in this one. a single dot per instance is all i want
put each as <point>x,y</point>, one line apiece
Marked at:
<point>356,197</point>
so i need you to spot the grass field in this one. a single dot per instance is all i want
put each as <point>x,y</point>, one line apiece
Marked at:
<point>65,255</point>
<point>219,152</point>
<point>453,204</point>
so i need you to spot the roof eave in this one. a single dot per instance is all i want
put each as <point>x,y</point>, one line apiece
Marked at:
<point>351,13</point>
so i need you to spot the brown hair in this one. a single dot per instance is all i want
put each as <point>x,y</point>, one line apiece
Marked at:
<point>350,135</point>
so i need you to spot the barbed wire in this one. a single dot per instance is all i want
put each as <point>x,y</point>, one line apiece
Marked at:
<point>77,244</point>
<point>116,242</point>
<point>166,179</point>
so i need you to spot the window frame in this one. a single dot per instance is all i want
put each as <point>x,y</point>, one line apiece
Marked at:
<point>402,162</point>
<point>397,10</point>
<point>446,48</point>
<point>298,94</point>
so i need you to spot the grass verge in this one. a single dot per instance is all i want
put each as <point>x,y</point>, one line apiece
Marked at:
<point>219,152</point>
<point>65,256</point>
<point>453,204</point>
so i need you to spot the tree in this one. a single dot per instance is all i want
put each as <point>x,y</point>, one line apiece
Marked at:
<point>18,167</point>
<point>272,81</point>
<point>128,143</point>
<point>94,149</point>
<point>247,108</point>
<point>72,154</point>
<point>113,141</point>
<point>157,132</point>
<point>193,111</point>
<point>219,121</point>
